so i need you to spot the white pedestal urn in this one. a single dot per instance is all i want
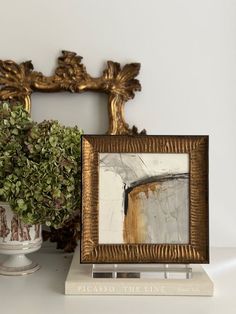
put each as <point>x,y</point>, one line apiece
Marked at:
<point>16,240</point>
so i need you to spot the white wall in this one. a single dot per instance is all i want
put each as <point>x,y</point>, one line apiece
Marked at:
<point>187,49</point>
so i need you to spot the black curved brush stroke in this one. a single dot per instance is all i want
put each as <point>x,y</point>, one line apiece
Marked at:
<point>152,179</point>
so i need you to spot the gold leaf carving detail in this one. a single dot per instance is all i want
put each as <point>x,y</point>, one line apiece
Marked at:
<point>19,81</point>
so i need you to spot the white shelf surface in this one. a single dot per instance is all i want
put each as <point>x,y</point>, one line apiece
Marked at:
<point>43,291</point>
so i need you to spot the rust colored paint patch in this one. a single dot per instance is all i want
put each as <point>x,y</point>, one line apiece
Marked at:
<point>135,222</point>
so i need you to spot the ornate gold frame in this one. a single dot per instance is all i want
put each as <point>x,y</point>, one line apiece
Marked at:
<point>19,81</point>
<point>196,251</point>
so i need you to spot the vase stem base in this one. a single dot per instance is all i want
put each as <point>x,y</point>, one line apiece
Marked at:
<point>18,265</point>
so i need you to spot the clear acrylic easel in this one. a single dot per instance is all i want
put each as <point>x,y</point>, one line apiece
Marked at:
<point>158,271</point>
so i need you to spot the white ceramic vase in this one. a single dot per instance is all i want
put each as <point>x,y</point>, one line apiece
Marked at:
<point>16,240</point>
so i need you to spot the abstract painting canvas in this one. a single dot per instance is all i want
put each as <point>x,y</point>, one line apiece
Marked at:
<point>144,199</point>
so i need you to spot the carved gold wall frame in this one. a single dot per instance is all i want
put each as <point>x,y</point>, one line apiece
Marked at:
<point>19,81</point>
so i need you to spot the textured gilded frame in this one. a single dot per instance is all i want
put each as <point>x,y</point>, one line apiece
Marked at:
<point>196,251</point>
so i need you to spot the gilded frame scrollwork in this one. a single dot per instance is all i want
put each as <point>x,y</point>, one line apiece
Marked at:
<point>19,81</point>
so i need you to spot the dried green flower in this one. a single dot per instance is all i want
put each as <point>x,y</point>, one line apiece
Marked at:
<point>39,168</point>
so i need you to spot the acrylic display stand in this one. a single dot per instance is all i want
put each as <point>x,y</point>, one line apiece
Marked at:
<point>165,271</point>
<point>143,279</point>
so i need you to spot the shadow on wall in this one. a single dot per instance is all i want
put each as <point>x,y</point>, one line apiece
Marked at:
<point>88,111</point>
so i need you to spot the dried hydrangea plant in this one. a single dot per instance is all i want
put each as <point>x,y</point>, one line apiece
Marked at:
<point>15,124</point>
<point>40,168</point>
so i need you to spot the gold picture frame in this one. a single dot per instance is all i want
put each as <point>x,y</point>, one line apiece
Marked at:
<point>19,80</point>
<point>196,250</point>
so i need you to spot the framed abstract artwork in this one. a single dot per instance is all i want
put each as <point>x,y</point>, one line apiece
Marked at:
<point>144,199</point>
